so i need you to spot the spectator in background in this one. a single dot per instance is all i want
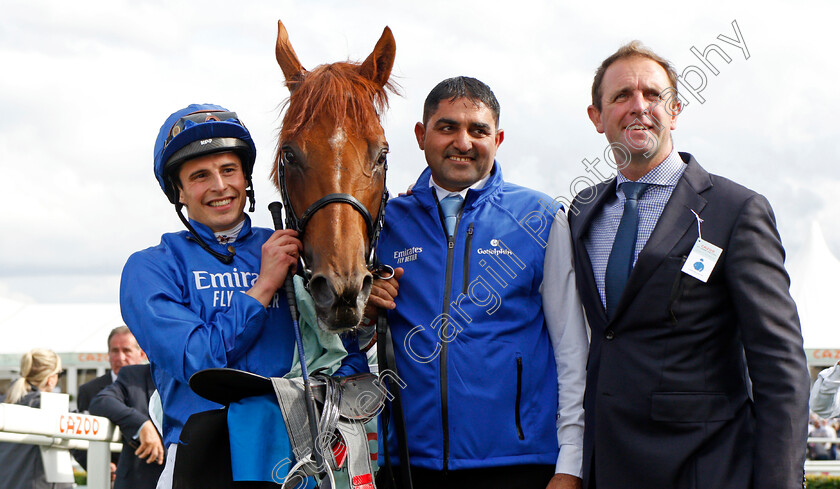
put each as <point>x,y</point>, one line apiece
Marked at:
<point>21,465</point>
<point>126,404</point>
<point>812,419</point>
<point>821,451</point>
<point>122,350</point>
<point>824,399</point>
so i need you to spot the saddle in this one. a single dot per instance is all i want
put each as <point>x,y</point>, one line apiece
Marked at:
<point>359,396</point>
<point>343,405</point>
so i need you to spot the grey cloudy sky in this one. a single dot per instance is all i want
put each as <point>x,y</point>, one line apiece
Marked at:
<point>86,86</point>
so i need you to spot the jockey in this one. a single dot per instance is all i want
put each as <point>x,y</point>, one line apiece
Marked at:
<point>206,297</point>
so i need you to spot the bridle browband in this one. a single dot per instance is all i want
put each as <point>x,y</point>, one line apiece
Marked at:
<point>373,226</point>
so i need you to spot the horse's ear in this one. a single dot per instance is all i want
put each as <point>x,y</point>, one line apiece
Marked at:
<point>377,66</point>
<point>287,59</point>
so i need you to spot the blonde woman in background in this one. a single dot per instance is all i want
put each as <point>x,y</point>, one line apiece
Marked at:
<point>20,465</point>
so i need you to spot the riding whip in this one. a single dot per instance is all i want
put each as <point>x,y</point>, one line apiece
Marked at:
<point>276,209</point>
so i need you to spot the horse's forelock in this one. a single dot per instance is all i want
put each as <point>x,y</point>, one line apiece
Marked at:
<point>335,92</point>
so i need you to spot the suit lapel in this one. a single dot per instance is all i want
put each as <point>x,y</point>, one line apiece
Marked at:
<point>150,384</point>
<point>676,220</point>
<point>587,213</point>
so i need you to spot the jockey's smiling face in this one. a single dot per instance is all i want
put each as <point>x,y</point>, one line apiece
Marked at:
<point>212,188</point>
<point>460,141</point>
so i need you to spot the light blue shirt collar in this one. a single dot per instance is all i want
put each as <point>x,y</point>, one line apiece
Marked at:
<point>667,173</point>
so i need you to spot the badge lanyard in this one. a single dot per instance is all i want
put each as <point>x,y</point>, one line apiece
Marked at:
<point>703,256</point>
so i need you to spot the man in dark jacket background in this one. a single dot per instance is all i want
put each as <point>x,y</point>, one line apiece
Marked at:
<point>122,350</point>
<point>126,404</point>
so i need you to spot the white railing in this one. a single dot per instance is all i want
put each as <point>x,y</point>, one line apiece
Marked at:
<point>55,430</point>
<point>825,467</point>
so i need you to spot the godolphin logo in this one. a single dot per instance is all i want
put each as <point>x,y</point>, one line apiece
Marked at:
<point>495,249</point>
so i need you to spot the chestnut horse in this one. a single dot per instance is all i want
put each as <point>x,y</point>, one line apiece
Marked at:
<point>331,164</point>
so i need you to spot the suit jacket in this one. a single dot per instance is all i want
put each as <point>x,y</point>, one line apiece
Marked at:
<point>126,404</point>
<point>692,384</point>
<point>89,390</point>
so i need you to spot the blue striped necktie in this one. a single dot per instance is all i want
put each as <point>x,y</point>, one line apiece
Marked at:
<point>450,206</point>
<point>620,262</point>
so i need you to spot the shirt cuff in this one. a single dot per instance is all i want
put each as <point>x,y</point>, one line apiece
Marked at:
<point>570,461</point>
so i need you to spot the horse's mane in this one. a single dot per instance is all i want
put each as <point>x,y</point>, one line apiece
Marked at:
<point>336,92</point>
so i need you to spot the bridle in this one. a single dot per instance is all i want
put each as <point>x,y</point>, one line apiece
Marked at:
<point>373,226</point>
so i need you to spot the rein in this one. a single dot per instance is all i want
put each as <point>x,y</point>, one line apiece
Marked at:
<point>373,226</point>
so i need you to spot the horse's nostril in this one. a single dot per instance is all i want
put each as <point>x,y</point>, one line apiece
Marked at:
<point>321,291</point>
<point>367,282</point>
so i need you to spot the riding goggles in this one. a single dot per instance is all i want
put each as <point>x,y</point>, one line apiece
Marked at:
<point>190,120</point>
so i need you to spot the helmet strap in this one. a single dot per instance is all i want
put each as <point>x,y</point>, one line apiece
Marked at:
<point>226,259</point>
<point>250,193</point>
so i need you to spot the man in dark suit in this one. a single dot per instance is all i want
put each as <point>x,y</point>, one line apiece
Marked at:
<point>122,350</point>
<point>696,375</point>
<point>126,404</point>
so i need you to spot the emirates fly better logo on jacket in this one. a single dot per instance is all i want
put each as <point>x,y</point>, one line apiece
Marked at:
<point>407,255</point>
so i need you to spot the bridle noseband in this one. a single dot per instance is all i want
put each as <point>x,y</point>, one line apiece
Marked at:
<point>373,226</point>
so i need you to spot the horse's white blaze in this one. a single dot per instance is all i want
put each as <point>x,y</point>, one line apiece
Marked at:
<point>338,139</point>
<point>337,143</point>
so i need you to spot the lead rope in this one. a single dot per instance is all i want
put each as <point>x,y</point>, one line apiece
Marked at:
<point>387,362</point>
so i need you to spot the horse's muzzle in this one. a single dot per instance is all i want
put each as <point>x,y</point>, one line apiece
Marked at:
<point>340,301</point>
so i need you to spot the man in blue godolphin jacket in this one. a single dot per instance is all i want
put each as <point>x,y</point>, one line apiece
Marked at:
<point>488,330</point>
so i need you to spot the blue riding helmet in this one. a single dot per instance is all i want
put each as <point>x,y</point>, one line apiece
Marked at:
<point>198,130</point>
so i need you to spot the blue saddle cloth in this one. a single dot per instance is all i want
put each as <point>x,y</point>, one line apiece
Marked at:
<point>260,449</point>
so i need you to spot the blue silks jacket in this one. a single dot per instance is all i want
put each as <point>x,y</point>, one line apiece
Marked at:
<point>189,312</point>
<point>468,329</point>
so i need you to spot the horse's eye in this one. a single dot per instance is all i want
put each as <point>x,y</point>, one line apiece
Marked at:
<point>289,157</point>
<point>383,157</point>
